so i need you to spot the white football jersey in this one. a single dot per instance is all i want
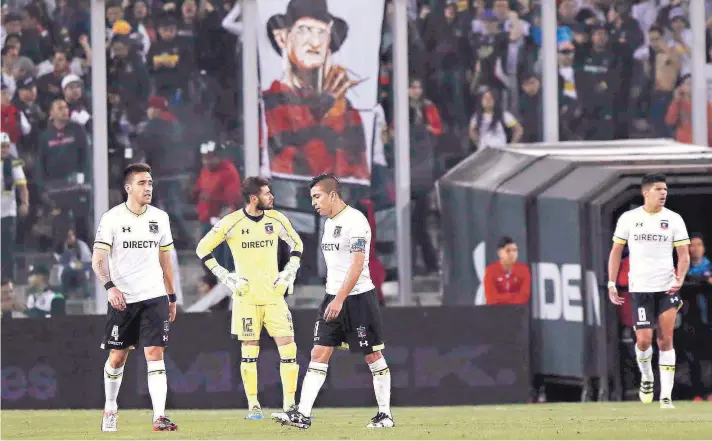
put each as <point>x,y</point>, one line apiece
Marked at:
<point>651,238</point>
<point>134,243</point>
<point>346,233</point>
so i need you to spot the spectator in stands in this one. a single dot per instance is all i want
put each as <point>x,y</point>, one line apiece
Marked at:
<point>74,258</point>
<point>597,81</point>
<point>664,68</point>
<point>698,297</point>
<point>570,111</point>
<point>425,131</point>
<point>49,85</point>
<point>128,77</point>
<point>141,23</point>
<point>530,108</point>
<point>14,123</point>
<point>73,90</point>
<point>490,47</point>
<point>173,162</point>
<point>63,149</point>
<point>489,124</point>
<point>700,265</point>
<point>36,39</point>
<point>26,102</point>
<point>507,282</point>
<point>446,40</point>
<point>169,62</point>
<point>43,301</point>
<point>13,180</point>
<point>11,306</point>
<point>626,37</point>
<point>679,114</point>
<point>218,191</point>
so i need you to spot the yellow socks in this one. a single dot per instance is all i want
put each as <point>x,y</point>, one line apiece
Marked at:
<point>288,372</point>
<point>248,369</point>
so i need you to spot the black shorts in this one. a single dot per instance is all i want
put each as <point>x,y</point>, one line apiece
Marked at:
<point>647,307</point>
<point>145,322</point>
<point>358,325</point>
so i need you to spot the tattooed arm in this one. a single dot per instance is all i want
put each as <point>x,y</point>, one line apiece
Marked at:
<point>100,265</point>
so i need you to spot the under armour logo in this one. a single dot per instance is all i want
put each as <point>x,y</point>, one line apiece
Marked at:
<point>674,299</point>
<point>246,231</point>
<point>126,229</point>
<point>638,224</point>
<point>165,338</point>
<point>363,343</point>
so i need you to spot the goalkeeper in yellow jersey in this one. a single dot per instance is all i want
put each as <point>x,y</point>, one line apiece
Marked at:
<point>257,285</point>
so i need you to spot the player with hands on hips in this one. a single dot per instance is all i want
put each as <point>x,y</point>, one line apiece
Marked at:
<point>253,234</point>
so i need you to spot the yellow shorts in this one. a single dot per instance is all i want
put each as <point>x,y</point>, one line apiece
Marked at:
<point>247,320</point>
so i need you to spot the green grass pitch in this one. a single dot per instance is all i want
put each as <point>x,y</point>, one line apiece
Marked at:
<point>534,421</point>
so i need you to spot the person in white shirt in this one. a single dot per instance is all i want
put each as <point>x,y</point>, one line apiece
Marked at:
<point>489,124</point>
<point>651,232</point>
<point>349,313</point>
<point>132,260</point>
<point>13,180</point>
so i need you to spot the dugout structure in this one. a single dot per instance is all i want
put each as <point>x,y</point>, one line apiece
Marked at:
<point>560,203</point>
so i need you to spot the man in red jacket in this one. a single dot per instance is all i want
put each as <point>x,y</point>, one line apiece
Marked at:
<point>218,191</point>
<point>507,282</point>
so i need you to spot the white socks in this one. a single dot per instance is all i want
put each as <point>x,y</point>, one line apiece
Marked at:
<point>382,384</point>
<point>157,387</point>
<point>313,381</point>
<point>666,361</point>
<point>112,384</point>
<point>645,364</point>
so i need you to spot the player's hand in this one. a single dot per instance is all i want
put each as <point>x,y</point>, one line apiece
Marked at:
<point>117,299</point>
<point>238,285</point>
<point>614,297</point>
<point>172,309</point>
<point>333,309</point>
<point>675,286</point>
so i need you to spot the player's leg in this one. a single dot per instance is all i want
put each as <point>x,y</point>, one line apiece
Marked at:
<point>154,336</point>
<point>121,333</point>
<point>668,306</point>
<point>327,335</point>
<point>365,335</point>
<point>278,321</point>
<point>113,375</point>
<point>247,326</point>
<point>644,313</point>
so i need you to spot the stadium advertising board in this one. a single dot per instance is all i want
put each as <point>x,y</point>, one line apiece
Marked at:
<point>437,356</point>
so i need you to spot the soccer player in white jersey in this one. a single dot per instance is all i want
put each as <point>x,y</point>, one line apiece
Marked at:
<point>651,232</point>
<point>132,260</point>
<point>349,313</point>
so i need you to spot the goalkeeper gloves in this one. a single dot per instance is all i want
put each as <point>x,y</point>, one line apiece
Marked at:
<point>288,276</point>
<point>237,285</point>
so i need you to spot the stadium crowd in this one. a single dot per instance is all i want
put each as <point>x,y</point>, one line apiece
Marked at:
<point>174,100</point>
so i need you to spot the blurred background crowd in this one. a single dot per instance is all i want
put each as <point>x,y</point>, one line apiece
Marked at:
<point>175,100</point>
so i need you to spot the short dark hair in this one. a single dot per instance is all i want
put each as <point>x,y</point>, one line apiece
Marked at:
<point>697,235</point>
<point>139,167</point>
<point>328,181</point>
<point>252,186</point>
<point>652,178</point>
<point>504,241</point>
<point>655,28</point>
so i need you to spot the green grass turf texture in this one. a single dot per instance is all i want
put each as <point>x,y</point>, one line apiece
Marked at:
<point>613,420</point>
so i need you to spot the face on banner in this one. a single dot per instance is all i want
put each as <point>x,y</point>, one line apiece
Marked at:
<point>319,69</point>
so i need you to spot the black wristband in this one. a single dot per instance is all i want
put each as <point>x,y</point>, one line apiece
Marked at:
<point>108,285</point>
<point>172,298</point>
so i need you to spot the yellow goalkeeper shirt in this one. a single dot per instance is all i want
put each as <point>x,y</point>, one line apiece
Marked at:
<point>253,244</point>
